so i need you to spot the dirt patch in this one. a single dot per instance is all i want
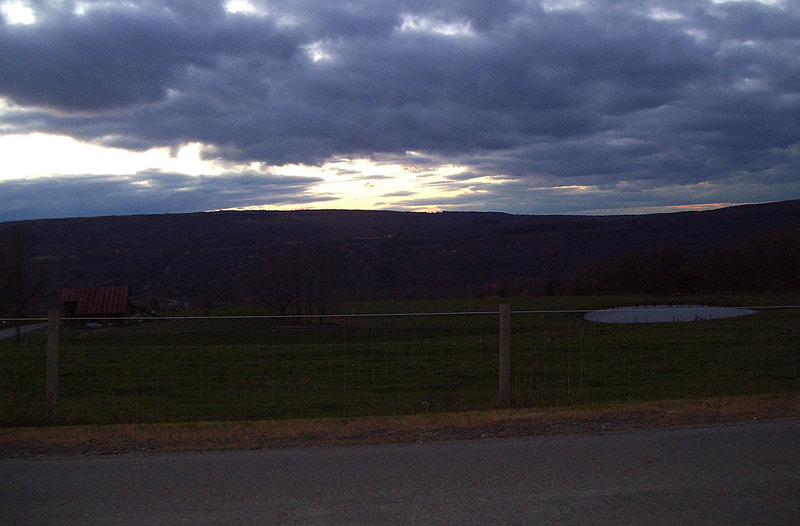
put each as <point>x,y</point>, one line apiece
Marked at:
<point>115,439</point>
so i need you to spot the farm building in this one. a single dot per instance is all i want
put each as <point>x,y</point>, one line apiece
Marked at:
<point>99,302</point>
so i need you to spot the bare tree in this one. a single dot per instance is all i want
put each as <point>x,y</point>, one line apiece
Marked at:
<point>16,284</point>
<point>296,279</point>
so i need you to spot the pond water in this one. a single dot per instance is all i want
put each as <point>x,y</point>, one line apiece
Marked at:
<point>665,313</point>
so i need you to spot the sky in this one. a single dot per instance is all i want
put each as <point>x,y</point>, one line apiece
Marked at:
<point>518,106</point>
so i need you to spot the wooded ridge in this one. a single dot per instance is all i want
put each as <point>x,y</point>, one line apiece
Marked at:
<point>213,257</point>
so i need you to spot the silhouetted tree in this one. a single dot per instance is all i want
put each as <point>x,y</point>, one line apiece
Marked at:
<point>652,272</point>
<point>769,261</point>
<point>17,286</point>
<point>297,279</point>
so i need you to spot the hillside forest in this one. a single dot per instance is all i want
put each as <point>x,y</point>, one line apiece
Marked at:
<point>307,261</point>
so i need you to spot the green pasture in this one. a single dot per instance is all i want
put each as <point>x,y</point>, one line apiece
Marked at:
<point>239,368</point>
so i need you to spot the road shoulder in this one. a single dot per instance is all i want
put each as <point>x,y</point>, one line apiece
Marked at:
<point>208,436</point>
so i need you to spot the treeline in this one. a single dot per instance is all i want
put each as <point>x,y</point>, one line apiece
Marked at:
<point>768,262</point>
<point>19,280</point>
<point>302,262</point>
<point>310,279</point>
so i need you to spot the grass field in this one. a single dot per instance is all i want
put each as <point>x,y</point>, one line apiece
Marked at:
<point>243,368</point>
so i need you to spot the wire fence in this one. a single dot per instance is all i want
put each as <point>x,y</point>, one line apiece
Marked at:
<point>271,367</point>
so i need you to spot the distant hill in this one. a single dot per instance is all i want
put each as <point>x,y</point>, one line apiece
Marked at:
<point>235,256</point>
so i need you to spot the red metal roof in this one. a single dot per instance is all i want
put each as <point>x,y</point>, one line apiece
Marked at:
<point>98,301</point>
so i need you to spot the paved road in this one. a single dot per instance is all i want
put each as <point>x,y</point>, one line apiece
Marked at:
<point>732,474</point>
<point>12,332</point>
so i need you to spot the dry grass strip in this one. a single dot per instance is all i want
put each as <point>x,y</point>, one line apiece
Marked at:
<point>115,439</point>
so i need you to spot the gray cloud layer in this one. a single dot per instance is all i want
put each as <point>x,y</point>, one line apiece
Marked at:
<point>148,193</point>
<point>604,95</point>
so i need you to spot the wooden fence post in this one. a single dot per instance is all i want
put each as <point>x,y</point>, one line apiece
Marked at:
<point>505,354</point>
<point>52,364</point>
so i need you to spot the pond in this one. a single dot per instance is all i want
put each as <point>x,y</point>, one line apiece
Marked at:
<point>665,313</point>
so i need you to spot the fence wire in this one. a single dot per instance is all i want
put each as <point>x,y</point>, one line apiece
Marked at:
<point>560,358</point>
<point>242,368</point>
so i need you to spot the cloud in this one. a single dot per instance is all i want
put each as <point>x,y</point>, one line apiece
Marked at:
<point>147,193</point>
<point>663,94</point>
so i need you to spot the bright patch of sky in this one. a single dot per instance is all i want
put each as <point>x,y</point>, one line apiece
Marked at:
<point>41,155</point>
<point>664,14</point>
<point>343,183</point>
<point>243,7</point>
<point>369,184</point>
<point>433,25</point>
<point>318,51</point>
<point>18,12</point>
<point>562,5</point>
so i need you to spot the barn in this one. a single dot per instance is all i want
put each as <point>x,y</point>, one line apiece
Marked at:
<point>97,302</point>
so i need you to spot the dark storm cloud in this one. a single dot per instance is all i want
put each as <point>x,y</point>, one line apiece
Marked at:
<point>146,193</point>
<point>116,55</point>
<point>632,94</point>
